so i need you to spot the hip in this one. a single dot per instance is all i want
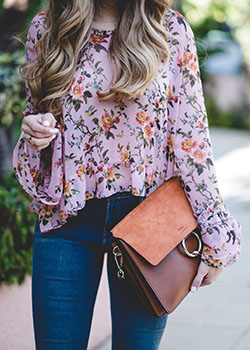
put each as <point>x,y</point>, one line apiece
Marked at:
<point>94,222</point>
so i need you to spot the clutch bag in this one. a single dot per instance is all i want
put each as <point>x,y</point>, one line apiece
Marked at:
<point>157,246</point>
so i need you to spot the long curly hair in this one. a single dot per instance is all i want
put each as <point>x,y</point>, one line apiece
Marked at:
<point>138,46</point>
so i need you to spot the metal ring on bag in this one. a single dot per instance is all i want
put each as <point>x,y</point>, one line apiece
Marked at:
<point>195,252</point>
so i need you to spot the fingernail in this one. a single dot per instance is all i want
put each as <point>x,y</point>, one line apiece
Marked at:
<point>193,289</point>
<point>53,131</point>
<point>46,123</point>
<point>53,137</point>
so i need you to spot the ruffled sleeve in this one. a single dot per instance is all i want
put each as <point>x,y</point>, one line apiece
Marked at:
<point>221,232</point>
<point>39,172</point>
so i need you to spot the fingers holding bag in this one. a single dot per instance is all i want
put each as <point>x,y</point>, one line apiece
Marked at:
<point>205,275</point>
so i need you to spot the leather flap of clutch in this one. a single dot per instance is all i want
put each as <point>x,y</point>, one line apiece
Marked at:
<point>159,223</point>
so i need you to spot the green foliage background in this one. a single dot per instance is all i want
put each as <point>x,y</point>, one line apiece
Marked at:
<point>207,15</point>
<point>17,222</point>
<point>16,232</point>
<point>12,98</point>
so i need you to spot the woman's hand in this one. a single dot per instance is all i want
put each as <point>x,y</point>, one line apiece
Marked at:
<point>205,275</point>
<point>39,130</point>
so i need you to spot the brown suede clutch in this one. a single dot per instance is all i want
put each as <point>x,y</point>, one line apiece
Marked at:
<point>158,247</point>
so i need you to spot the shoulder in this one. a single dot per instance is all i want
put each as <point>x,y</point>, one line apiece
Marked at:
<point>35,31</point>
<point>37,26</point>
<point>178,28</point>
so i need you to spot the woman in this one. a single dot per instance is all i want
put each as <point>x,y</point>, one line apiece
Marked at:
<point>114,109</point>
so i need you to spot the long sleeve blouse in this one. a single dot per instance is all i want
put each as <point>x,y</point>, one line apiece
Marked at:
<point>135,145</point>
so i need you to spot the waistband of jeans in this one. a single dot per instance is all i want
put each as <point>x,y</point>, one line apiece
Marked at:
<point>118,195</point>
<point>115,196</point>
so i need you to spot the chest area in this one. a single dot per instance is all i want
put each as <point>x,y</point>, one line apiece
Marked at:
<point>95,71</point>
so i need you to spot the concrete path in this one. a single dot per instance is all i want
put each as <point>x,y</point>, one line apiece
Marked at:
<point>218,316</point>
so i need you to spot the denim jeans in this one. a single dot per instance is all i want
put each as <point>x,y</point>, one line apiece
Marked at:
<point>66,270</point>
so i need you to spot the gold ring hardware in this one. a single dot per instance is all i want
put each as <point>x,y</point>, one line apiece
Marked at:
<point>195,252</point>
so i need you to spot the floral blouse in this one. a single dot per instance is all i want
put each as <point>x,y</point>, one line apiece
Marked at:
<point>106,147</point>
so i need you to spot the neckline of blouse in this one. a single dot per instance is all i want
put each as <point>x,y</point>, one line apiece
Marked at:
<point>103,30</point>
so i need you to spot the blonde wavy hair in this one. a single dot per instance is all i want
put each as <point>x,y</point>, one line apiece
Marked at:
<point>138,46</point>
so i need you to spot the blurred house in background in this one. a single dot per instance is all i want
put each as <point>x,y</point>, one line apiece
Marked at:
<point>227,82</point>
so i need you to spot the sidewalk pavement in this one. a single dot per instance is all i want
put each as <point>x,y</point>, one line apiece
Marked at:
<point>217,316</point>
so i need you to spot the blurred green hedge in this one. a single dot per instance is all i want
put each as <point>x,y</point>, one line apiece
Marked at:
<point>17,222</point>
<point>16,232</point>
<point>236,117</point>
<point>12,89</point>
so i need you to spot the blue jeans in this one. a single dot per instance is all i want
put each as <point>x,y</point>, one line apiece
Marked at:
<point>66,269</point>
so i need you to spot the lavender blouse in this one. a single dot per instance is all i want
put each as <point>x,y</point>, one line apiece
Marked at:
<point>106,147</point>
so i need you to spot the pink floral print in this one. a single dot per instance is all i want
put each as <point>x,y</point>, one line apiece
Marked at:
<point>135,145</point>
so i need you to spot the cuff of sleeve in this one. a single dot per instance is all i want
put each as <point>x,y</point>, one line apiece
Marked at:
<point>40,173</point>
<point>221,236</point>
<point>217,263</point>
<point>207,256</point>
